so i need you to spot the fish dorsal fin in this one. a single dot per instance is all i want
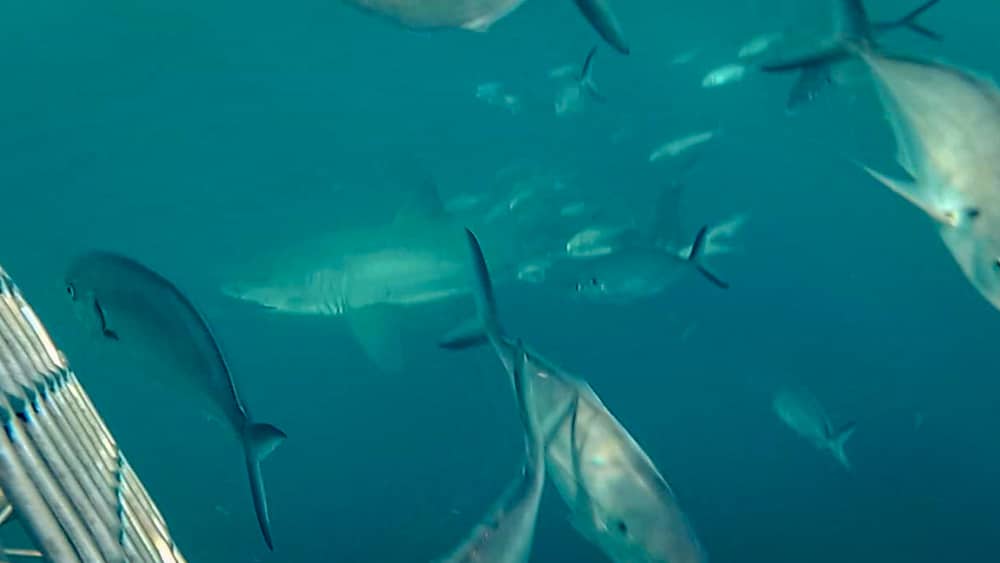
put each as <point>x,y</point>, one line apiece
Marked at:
<point>423,204</point>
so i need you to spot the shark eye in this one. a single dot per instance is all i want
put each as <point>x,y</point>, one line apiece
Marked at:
<point>996,265</point>
<point>622,527</point>
<point>593,281</point>
<point>71,290</point>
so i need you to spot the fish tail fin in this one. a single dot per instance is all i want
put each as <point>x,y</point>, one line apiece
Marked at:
<point>909,21</point>
<point>839,440</point>
<point>587,77</point>
<point>259,440</point>
<point>486,305</point>
<point>694,255</point>
<point>604,21</point>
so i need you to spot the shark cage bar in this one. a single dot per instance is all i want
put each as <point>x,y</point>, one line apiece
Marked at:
<point>62,477</point>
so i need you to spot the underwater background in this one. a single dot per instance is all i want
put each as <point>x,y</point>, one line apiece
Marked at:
<point>192,134</point>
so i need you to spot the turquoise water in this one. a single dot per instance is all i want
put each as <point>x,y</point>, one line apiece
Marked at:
<point>191,135</point>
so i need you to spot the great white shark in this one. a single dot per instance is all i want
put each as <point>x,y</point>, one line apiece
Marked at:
<point>366,275</point>
<point>617,497</point>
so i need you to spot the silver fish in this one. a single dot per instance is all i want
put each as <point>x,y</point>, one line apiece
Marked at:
<point>507,532</point>
<point>725,74</point>
<point>618,498</point>
<point>570,99</point>
<point>675,147</point>
<point>947,127</point>
<point>142,312</point>
<point>801,412</point>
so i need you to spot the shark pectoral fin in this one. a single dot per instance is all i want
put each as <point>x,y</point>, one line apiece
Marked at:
<point>376,332</point>
<point>259,440</point>
<point>469,334</point>
<point>908,191</point>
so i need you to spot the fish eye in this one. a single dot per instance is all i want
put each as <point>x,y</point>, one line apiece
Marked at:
<point>593,281</point>
<point>996,265</point>
<point>71,290</point>
<point>622,527</point>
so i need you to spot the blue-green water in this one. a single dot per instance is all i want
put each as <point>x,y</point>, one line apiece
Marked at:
<point>187,134</point>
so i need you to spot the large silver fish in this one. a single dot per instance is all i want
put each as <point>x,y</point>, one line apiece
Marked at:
<point>364,275</point>
<point>479,15</point>
<point>506,534</point>
<point>803,413</point>
<point>140,311</point>
<point>618,499</point>
<point>947,127</point>
<point>852,27</point>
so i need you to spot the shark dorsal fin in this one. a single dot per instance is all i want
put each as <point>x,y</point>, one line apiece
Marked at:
<point>424,203</point>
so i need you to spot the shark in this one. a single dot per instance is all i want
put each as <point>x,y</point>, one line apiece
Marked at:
<point>853,26</point>
<point>804,414</point>
<point>366,275</point>
<point>506,533</point>
<point>480,15</point>
<point>618,499</point>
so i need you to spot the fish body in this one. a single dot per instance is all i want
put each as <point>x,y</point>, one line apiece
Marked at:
<point>617,497</point>
<point>507,532</point>
<point>600,240</point>
<point>140,311</point>
<point>675,147</point>
<point>803,413</point>
<point>758,45</point>
<point>726,74</point>
<point>629,274</point>
<point>946,122</point>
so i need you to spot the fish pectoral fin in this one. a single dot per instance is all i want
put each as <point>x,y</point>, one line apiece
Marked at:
<point>375,330</point>
<point>908,191</point>
<point>105,331</point>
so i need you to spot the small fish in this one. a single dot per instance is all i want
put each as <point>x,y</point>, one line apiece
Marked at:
<point>758,45</point>
<point>533,271</point>
<point>565,71</point>
<point>801,412</point>
<point>574,209</point>
<point>726,74</point>
<point>570,99</point>
<point>140,310</point>
<point>600,240</point>
<point>685,57</point>
<point>675,147</point>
